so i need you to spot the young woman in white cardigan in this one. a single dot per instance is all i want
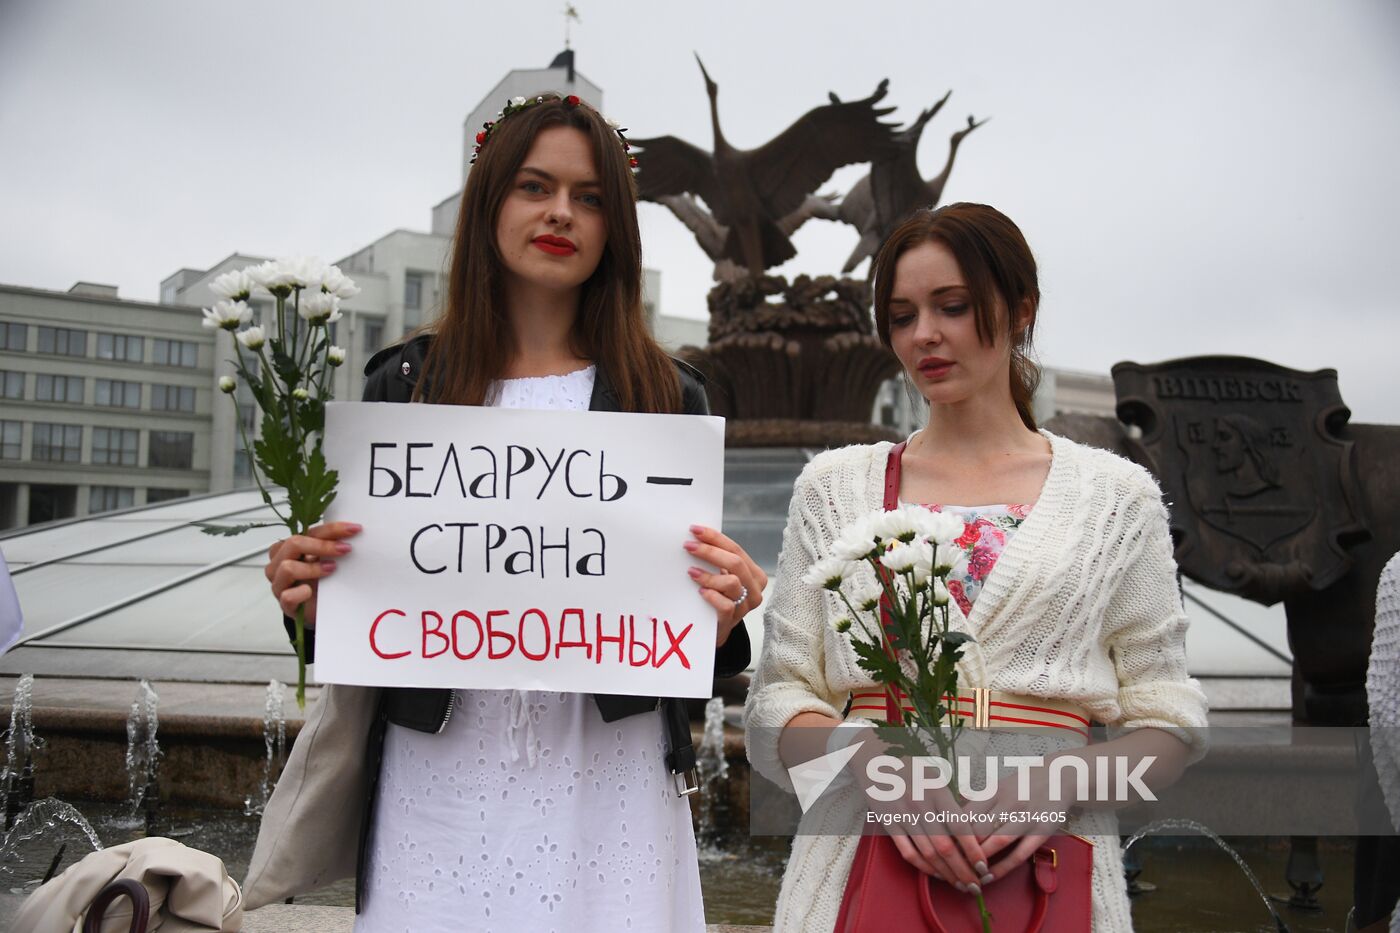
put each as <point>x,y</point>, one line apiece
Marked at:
<point>1066,581</point>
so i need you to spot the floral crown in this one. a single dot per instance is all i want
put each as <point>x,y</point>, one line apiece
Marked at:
<point>517,104</point>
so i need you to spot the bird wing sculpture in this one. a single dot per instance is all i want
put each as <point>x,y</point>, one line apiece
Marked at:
<point>751,191</point>
<point>711,234</point>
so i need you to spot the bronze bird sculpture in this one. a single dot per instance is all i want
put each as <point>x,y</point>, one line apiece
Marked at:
<point>711,234</point>
<point>749,191</point>
<point>894,189</point>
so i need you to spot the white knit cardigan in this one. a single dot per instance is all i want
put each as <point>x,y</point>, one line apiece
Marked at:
<point>1383,694</point>
<point>1082,605</point>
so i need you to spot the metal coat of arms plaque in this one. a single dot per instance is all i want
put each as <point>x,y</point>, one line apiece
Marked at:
<point>1261,487</point>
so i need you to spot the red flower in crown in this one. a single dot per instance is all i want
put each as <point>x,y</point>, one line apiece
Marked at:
<point>572,100</point>
<point>481,137</point>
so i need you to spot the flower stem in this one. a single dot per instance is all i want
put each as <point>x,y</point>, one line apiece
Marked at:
<point>301,656</point>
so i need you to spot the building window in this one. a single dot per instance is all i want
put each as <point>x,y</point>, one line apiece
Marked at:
<point>13,336</point>
<point>172,398</point>
<point>50,388</point>
<point>115,393</point>
<point>242,467</point>
<point>165,495</point>
<point>11,385</point>
<point>10,433</point>
<point>62,341</point>
<point>172,450</point>
<point>413,290</point>
<point>374,336</point>
<point>126,348</point>
<point>115,446</point>
<point>57,443</point>
<point>174,353</point>
<point>107,498</point>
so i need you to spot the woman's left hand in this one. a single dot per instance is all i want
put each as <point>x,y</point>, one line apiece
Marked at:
<point>1011,843</point>
<point>738,585</point>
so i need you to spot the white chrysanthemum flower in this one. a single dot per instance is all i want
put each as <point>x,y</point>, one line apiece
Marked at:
<point>227,385</point>
<point>900,558</point>
<point>829,573</point>
<point>320,308</point>
<point>339,284</point>
<point>300,394</point>
<point>227,315</point>
<point>867,598</point>
<point>940,593</point>
<point>944,527</point>
<point>235,286</point>
<point>842,625</point>
<point>303,271</point>
<point>252,338</point>
<point>517,102</point>
<point>271,276</point>
<point>856,540</point>
<point>945,556</point>
<point>923,560</point>
<point>335,355</point>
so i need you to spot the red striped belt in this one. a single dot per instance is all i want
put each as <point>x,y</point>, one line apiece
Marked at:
<point>982,708</point>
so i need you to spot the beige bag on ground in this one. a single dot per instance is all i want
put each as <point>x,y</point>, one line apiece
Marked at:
<point>310,830</point>
<point>190,891</point>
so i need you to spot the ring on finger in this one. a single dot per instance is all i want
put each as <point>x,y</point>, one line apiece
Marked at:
<point>743,595</point>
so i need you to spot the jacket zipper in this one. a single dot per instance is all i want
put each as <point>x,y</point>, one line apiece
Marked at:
<point>447,716</point>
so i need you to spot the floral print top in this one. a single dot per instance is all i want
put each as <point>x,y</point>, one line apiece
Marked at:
<point>986,529</point>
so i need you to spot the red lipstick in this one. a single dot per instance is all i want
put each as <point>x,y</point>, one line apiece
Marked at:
<point>934,367</point>
<point>555,245</point>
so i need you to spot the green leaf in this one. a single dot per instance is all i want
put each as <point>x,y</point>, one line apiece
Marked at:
<point>229,531</point>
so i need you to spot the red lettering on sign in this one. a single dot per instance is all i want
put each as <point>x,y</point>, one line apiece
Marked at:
<point>373,645</point>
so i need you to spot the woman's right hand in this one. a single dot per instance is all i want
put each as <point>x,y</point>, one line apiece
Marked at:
<point>296,564</point>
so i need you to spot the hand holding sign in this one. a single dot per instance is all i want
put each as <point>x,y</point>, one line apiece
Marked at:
<point>533,550</point>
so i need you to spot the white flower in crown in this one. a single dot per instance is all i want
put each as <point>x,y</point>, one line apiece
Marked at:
<point>901,557</point>
<point>830,572</point>
<point>320,308</point>
<point>517,102</point>
<point>335,355</point>
<point>338,283</point>
<point>226,384</point>
<point>235,286</point>
<point>252,338</point>
<point>227,315</point>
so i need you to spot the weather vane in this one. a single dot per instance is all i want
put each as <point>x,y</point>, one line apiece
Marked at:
<point>570,15</point>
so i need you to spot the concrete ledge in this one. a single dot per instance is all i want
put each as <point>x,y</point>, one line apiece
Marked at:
<point>295,918</point>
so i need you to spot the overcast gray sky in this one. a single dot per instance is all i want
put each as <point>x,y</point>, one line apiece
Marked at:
<point>1195,176</point>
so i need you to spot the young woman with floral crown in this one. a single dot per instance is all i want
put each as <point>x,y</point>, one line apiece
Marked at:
<point>503,809</point>
<point>1065,576</point>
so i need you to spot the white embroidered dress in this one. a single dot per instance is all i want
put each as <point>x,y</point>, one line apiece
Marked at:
<point>529,812</point>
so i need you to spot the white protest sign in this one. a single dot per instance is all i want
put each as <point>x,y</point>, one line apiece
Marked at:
<point>535,550</point>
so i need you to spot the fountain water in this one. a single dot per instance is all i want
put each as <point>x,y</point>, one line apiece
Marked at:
<point>18,777</point>
<point>714,768</point>
<point>1202,829</point>
<point>42,816</point>
<point>275,741</point>
<point>143,756</point>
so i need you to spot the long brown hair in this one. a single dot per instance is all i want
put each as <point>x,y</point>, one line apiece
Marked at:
<point>995,261</point>
<point>473,340</point>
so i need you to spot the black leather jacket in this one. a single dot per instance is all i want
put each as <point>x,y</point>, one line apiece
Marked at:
<point>391,376</point>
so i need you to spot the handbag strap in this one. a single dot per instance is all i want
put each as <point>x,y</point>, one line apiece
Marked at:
<point>894,469</point>
<point>1044,883</point>
<point>123,887</point>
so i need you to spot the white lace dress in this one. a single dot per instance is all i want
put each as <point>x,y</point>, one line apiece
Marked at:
<point>528,813</point>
